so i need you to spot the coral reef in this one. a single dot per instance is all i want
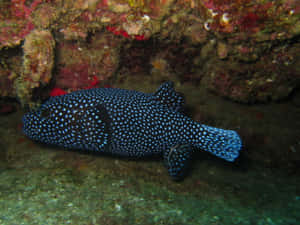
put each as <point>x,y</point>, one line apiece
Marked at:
<point>253,43</point>
<point>273,77</point>
<point>10,67</point>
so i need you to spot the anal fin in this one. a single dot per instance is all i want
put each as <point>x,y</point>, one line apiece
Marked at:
<point>177,160</point>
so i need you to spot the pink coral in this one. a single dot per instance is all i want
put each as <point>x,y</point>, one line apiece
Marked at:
<point>18,22</point>
<point>20,10</point>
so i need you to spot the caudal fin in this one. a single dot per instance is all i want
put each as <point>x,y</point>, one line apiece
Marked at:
<point>225,144</point>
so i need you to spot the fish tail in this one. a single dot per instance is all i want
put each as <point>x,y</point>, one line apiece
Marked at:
<point>225,144</point>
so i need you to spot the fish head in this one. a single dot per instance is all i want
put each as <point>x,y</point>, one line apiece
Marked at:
<point>69,121</point>
<point>47,123</point>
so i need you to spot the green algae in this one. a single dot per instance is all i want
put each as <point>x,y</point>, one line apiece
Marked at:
<point>39,196</point>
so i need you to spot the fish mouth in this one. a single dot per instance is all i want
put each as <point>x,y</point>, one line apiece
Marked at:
<point>25,122</point>
<point>28,128</point>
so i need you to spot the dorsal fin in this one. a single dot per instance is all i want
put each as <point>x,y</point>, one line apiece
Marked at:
<point>166,95</point>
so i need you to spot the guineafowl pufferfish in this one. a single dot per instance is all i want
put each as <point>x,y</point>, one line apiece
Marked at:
<point>129,123</point>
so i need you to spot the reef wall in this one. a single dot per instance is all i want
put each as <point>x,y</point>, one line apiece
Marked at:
<point>245,50</point>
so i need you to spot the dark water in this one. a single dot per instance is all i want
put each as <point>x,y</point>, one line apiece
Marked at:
<point>43,185</point>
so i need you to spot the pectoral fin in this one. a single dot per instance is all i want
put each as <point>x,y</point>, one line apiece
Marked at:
<point>177,160</point>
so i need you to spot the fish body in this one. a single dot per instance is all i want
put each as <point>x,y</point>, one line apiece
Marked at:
<point>129,123</point>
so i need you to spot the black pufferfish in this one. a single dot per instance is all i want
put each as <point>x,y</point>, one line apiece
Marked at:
<point>129,123</point>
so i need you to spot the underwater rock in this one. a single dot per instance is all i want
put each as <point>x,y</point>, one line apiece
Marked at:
<point>6,108</point>
<point>7,78</point>
<point>272,78</point>
<point>207,50</point>
<point>38,56</point>
<point>160,68</point>
<point>222,50</point>
<point>16,23</point>
<point>7,84</point>
<point>196,34</point>
<point>79,65</point>
<point>238,32</point>
<point>38,62</point>
<point>44,16</point>
<point>118,7</point>
<point>74,31</point>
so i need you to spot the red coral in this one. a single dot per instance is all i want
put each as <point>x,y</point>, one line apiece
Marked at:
<point>140,37</point>
<point>120,32</point>
<point>249,22</point>
<point>94,83</point>
<point>256,17</point>
<point>222,6</point>
<point>103,3</point>
<point>57,92</point>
